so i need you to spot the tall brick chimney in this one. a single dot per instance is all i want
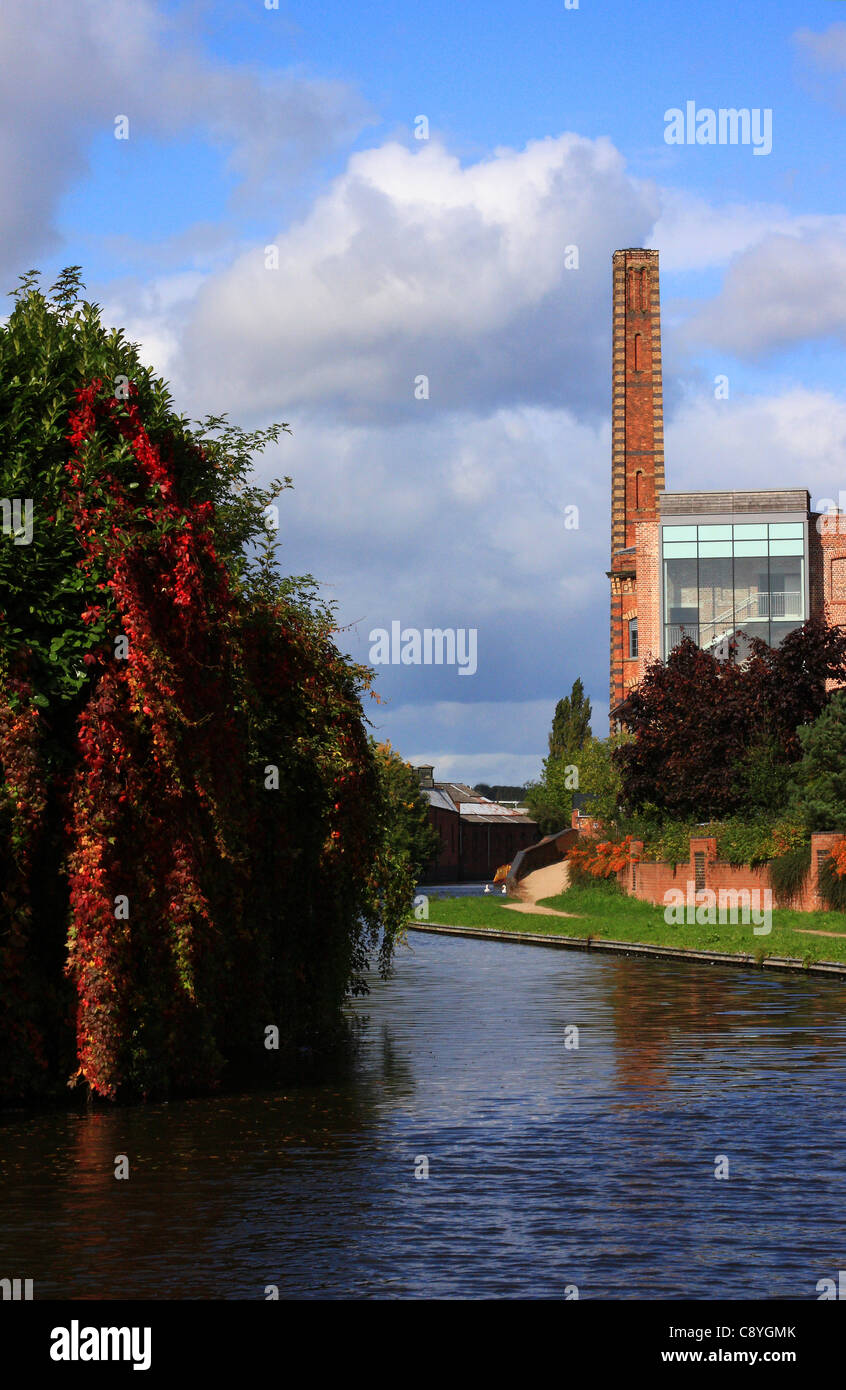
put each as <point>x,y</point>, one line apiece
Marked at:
<point>637,450</point>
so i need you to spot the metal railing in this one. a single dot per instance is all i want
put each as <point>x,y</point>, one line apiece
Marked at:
<point>782,603</point>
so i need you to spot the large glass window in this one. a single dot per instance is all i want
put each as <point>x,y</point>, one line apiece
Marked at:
<point>716,601</point>
<point>681,603</point>
<point>722,579</point>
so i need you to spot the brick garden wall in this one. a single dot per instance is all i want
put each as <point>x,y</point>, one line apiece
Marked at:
<point>651,881</point>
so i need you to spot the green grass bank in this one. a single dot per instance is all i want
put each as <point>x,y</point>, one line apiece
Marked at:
<point>603,911</point>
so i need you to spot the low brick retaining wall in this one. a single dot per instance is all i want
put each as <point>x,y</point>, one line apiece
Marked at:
<point>651,882</point>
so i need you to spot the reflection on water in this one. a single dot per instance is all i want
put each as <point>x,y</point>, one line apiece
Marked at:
<point>548,1166</point>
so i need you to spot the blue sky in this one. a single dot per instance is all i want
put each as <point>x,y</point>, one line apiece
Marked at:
<point>294,128</point>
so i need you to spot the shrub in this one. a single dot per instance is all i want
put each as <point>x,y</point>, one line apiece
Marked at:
<point>602,858</point>
<point>789,872</point>
<point>831,879</point>
<point>757,841</point>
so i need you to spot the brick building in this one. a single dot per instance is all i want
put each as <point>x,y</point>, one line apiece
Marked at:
<point>716,566</point>
<point>477,835</point>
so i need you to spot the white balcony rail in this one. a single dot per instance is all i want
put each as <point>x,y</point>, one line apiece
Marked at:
<point>778,604</point>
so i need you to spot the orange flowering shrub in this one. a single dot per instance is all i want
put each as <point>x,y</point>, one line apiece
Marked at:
<point>838,858</point>
<point>603,858</point>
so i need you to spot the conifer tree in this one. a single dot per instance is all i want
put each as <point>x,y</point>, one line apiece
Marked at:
<point>571,722</point>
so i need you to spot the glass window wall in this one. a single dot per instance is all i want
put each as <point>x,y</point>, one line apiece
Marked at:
<point>720,580</point>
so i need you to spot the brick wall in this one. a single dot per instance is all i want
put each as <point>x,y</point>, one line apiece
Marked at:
<point>470,850</point>
<point>648,597</point>
<point>828,548</point>
<point>652,881</point>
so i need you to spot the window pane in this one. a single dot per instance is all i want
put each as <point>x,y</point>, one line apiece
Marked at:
<point>761,630</point>
<point>679,533</point>
<point>756,547</point>
<point>713,548</point>
<point>716,601</point>
<point>677,549</point>
<point>787,599</point>
<point>780,630</point>
<point>786,530</point>
<point>680,602</point>
<point>751,590</point>
<point>750,533</point>
<point>674,633</point>
<point>715,533</point>
<point>787,547</point>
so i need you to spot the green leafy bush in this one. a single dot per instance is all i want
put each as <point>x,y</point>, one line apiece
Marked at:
<point>832,887</point>
<point>789,872</point>
<point>820,777</point>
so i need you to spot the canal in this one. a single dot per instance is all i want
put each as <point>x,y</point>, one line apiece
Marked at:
<point>551,1167</point>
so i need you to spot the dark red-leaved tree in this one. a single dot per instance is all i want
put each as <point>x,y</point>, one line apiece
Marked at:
<point>700,722</point>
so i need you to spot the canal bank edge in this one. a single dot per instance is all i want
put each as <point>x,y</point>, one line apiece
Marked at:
<point>630,948</point>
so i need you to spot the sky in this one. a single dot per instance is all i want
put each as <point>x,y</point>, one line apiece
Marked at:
<point>360,218</point>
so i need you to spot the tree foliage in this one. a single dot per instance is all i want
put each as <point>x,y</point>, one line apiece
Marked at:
<point>711,738</point>
<point>819,783</point>
<point>550,798</point>
<point>408,832</point>
<point>500,791</point>
<point>570,723</point>
<point>194,833</point>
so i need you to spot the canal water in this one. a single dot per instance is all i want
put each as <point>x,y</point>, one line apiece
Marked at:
<point>551,1167</point>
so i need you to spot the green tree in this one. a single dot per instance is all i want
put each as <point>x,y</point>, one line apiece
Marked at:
<point>599,776</point>
<point>819,783</point>
<point>407,832</point>
<point>550,799</point>
<point>570,723</point>
<point>592,772</point>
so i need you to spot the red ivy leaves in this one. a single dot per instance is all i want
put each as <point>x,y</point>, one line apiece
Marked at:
<point>155,739</point>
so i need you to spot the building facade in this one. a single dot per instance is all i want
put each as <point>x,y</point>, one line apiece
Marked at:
<point>477,835</point>
<point>718,567</point>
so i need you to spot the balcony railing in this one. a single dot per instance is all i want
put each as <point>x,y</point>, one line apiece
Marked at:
<point>676,631</point>
<point>786,604</point>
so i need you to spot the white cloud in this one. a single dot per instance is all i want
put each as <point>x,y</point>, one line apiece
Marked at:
<point>499,768</point>
<point>69,69</point>
<point>412,264</point>
<point>694,234</point>
<point>785,290</point>
<point>825,50</point>
<point>797,439</point>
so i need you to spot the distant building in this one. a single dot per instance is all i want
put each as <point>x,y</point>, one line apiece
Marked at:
<point>717,567</point>
<point>477,835</point>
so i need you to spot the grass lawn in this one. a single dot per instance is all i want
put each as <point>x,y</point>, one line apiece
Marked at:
<point>604,911</point>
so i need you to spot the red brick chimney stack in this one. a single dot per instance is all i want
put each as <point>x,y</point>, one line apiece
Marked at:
<point>637,450</point>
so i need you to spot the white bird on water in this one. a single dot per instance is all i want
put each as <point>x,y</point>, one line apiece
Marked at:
<point>487,887</point>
